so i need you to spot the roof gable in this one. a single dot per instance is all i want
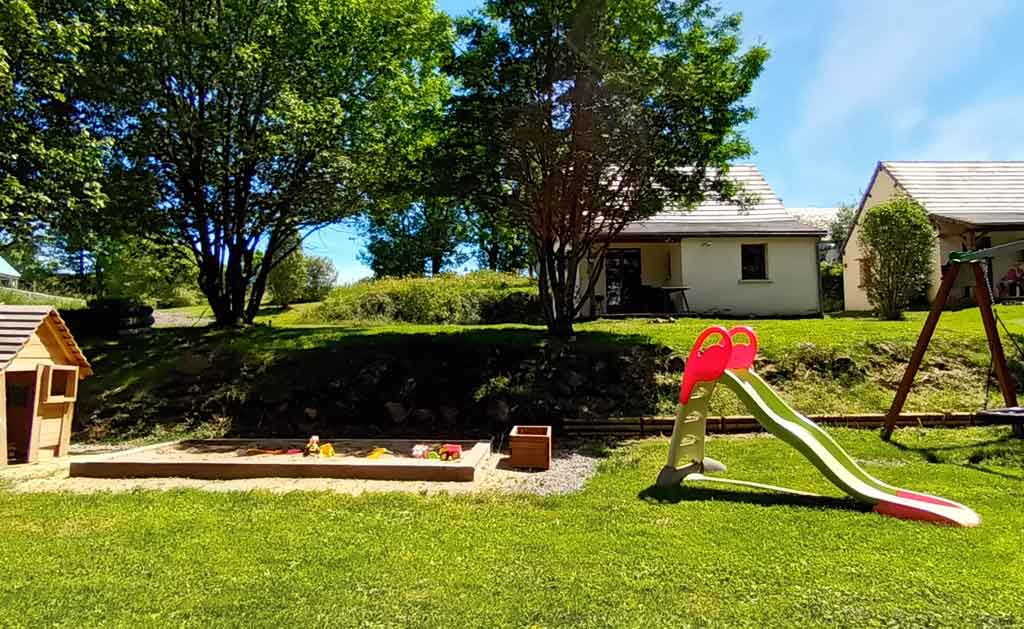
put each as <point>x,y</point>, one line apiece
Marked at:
<point>19,323</point>
<point>977,194</point>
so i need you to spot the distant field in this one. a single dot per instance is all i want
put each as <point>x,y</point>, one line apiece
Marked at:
<point>28,298</point>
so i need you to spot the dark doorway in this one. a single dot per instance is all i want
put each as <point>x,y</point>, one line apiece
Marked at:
<point>623,286</point>
<point>20,403</point>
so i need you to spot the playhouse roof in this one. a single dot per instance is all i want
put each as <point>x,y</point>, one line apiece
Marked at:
<point>19,323</point>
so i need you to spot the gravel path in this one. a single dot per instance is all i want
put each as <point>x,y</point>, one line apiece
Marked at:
<point>570,471</point>
<point>169,319</point>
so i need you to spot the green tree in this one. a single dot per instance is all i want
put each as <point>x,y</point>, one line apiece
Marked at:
<point>252,120</point>
<point>591,114</point>
<point>137,269</point>
<point>320,278</point>
<point>425,237</point>
<point>287,280</point>
<point>898,242</point>
<point>501,243</point>
<point>842,223</point>
<point>50,165</point>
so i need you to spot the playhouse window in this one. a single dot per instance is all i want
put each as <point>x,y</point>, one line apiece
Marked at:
<point>754,262</point>
<point>61,383</point>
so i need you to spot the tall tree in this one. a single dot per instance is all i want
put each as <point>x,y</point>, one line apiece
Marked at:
<point>50,166</point>
<point>256,118</point>
<point>596,113</point>
<point>842,223</point>
<point>502,243</point>
<point>424,237</point>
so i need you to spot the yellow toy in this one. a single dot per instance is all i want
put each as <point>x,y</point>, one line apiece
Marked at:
<point>327,450</point>
<point>377,453</point>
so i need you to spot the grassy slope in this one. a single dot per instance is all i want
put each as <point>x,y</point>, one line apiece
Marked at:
<point>25,298</point>
<point>613,555</point>
<point>953,380</point>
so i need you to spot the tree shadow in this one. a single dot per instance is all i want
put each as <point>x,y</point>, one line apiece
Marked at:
<point>978,452</point>
<point>366,380</point>
<point>691,493</point>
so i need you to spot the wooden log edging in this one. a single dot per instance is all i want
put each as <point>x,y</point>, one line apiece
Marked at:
<point>662,425</point>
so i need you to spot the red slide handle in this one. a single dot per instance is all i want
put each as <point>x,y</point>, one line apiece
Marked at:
<point>707,364</point>
<point>743,354</point>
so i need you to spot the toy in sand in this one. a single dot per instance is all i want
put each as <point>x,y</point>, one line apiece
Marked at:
<point>377,453</point>
<point>313,447</point>
<point>450,452</point>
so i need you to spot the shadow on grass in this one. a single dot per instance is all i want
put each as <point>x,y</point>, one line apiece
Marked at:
<point>685,493</point>
<point>985,470</point>
<point>370,380</point>
<point>1008,446</point>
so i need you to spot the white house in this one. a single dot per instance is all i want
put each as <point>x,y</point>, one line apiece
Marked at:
<point>8,275</point>
<point>973,205</point>
<point>717,259</point>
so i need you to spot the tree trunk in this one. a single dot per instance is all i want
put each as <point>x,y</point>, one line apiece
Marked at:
<point>556,296</point>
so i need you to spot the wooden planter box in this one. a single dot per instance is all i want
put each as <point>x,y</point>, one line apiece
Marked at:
<point>531,447</point>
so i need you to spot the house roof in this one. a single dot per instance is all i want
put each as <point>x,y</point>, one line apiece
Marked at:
<point>18,323</point>
<point>976,194</point>
<point>7,269</point>
<point>820,217</point>
<point>763,216</point>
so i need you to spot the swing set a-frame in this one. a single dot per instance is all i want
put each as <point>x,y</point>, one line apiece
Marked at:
<point>983,296</point>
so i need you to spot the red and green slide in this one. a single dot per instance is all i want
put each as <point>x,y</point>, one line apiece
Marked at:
<point>730,362</point>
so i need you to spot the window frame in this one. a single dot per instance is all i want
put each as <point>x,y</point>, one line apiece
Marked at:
<point>70,373</point>
<point>764,262</point>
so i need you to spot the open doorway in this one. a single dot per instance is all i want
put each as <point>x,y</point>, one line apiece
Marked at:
<point>20,394</point>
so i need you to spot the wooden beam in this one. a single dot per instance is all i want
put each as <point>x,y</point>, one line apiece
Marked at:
<point>3,418</point>
<point>995,345</point>
<point>948,279</point>
<point>36,424</point>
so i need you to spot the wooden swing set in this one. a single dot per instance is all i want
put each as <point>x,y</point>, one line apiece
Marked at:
<point>983,295</point>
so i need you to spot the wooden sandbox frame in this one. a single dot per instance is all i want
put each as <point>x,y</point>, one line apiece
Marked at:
<point>133,464</point>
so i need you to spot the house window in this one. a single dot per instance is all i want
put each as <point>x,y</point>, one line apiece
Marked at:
<point>754,262</point>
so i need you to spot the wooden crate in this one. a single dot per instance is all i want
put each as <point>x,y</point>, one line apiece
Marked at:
<point>531,447</point>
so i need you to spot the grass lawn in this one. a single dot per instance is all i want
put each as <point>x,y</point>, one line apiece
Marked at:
<point>615,554</point>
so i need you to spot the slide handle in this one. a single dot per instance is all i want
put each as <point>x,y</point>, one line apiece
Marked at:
<point>705,364</point>
<point>743,354</point>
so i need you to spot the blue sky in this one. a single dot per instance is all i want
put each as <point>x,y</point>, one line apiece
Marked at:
<point>850,83</point>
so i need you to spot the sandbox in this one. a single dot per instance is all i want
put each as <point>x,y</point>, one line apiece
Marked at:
<point>222,459</point>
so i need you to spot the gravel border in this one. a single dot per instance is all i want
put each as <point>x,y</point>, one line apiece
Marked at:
<point>571,468</point>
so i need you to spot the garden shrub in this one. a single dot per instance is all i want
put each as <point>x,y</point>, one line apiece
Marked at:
<point>899,243</point>
<point>831,286</point>
<point>479,297</point>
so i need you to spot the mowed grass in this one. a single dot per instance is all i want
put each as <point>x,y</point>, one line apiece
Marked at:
<point>615,554</point>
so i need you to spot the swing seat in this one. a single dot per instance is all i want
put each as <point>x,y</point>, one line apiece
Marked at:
<point>1008,415</point>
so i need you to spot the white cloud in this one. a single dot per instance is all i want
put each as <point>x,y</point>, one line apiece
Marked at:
<point>990,128</point>
<point>887,54</point>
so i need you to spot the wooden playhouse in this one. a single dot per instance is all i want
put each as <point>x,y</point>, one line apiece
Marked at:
<point>40,366</point>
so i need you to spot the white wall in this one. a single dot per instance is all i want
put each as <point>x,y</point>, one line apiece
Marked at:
<point>711,268</point>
